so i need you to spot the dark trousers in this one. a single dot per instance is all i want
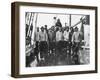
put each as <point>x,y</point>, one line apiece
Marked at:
<point>59,49</point>
<point>51,46</point>
<point>36,50</point>
<point>66,46</point>
<point>75,52</point>
<point>76,47</point>
<point>59,45</point>
<point>43,49</point>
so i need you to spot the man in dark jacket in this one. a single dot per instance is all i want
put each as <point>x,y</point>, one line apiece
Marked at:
<point>58,24</point>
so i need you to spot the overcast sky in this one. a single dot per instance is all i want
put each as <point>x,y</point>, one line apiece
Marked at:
<point>47,19</point>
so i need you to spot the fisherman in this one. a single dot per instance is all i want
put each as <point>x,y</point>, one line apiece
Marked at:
<point>59,38</point>
<point>70,39</point>
<point>43,44</point>
<point>58,24</point>
<point>76,40</point>
<point>66,40</point>
<point>50,35</point>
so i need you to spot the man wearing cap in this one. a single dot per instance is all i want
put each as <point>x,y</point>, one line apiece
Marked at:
<point>66,39</point>
<point>58,24</point>
<point>59,38</point>
<point>70,39</point>
<point>76,39</point>
<point>50,35</point>
<point>43,44</point>
<point>46,31</point>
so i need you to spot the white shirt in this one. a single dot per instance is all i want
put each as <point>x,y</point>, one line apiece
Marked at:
<point>66,35</point>
<point>42,36</point>
<point>76,37</point>
<point>59,36</point>
<point>50,34</point>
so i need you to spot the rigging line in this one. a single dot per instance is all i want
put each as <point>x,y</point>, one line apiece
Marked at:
<point>32,22</point>
<point>26,18</point>
<point>78,22</point>
<point>30,19</point>
<point>36,20</point>
<point>29,23</point>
